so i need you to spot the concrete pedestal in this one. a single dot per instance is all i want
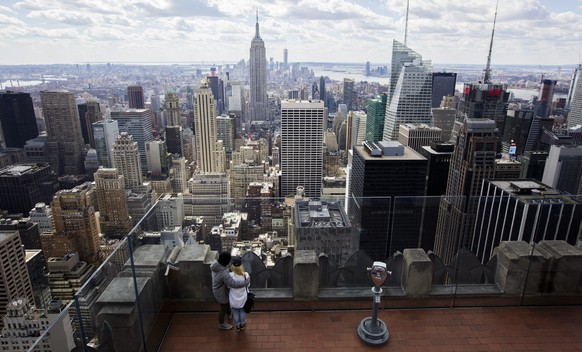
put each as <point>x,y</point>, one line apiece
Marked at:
<point>373,335</point>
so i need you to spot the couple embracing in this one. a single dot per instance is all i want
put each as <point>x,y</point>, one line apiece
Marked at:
<point>230,290</point>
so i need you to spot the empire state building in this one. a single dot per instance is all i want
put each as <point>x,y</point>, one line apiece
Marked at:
<point>258,78</point>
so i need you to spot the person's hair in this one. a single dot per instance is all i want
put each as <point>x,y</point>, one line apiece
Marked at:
<point>238,270</point>
<point>224,258</point>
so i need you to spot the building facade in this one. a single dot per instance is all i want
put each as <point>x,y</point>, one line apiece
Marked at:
<point>302,147</point>
<point>17,119</point>
<point>258,104</point>
<point>65,142</point>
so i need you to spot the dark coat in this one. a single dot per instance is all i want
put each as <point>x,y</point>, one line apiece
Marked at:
<point>221,281</point>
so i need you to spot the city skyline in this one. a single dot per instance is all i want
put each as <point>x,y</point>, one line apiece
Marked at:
<point>39,32</point>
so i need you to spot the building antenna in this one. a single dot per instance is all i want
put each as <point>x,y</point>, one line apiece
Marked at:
<point>406,23</point>
<point>487,76</point>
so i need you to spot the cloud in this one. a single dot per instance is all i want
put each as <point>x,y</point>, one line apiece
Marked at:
<point>9,20</point>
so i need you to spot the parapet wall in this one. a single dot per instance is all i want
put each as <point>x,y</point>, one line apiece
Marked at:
<point>524,274</point>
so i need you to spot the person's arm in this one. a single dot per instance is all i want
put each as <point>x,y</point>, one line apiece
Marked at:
<point>231,282</point>
<point>247,278</point>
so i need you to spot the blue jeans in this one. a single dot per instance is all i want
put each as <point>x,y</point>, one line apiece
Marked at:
<point>239,316</point>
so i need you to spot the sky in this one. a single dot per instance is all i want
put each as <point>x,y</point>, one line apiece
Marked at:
<point>533,32</point>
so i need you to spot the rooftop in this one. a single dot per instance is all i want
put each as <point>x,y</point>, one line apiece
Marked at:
<point>453,329</point>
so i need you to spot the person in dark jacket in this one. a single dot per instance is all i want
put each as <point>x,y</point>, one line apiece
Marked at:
<point>221,281</point>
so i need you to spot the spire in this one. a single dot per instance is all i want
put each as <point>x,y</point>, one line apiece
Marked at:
<point>257,26</point>
<point>406,23</point>
<point>487,71</point>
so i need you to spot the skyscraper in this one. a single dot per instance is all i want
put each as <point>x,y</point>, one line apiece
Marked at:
<point>25,184</point>
<point>14,281</point>
<point>417,136</point>
<point>411,97</point>
<point>174,133</point>
<point>348,93</point>
<point>322,95</point>
<point>574,102</point>
<point>285,59</point>
<point>138,124</point>
<point>135,97</point>
<point>484,101</point>
<point>530,211</point>
<point>258,78</point>
<point>65,142</point>
<point>216,86</point>
<point>17,119</point>
<point>158,158</point>
<point>385,179</point>
<point>400,55</point>
<point>472,161</point>
<point>375,120</point>
<point>356,129</point>
<point>126,160</point>
<point>518,123</point>
<point>89,113</point>
<point>225,131</point>
<point>205,127</point>
<point>105,133</point>
<point>75,225</point>
<point>563,170</point>
<point>545,97</point>
<point>112,199</point>
<point>301,147</point>
<point>443,84</point>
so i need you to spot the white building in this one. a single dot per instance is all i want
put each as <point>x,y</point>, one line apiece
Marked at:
<point>205,127</point>
<point>411,91</point>
<point>24,324</point>
<point>302,146</point>
<point>357,127</point>
<point>138,124</point>
<point>170,210</point>
<point>157,157</point>
<point>42,215</point>
<point>209,197</point>
<point>105,132</point>
<point>235,96</point>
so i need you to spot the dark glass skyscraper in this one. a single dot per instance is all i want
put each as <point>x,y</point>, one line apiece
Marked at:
<point>375,118</point>
<point>443,84</point>
<point>387,185</point>
<point>322,95</point>
<point>17,119</point>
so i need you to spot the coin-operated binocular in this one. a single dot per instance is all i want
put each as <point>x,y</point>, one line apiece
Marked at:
<point>372,330</point>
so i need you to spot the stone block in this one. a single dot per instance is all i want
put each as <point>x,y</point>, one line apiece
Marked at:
<point>563,274</point>
<point>117,305</point>
<point>305,274</point>
<point>193,279</point>
<point>519,267</point>
<point>416,272</point>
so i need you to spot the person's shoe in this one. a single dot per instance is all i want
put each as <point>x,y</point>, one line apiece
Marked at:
<point>238,327</point>
<point>243,325</point>
<point>225,326</point>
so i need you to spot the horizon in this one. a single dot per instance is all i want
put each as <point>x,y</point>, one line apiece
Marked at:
<point>443,31</point>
